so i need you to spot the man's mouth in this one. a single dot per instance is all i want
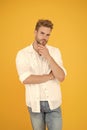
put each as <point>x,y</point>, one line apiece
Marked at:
<point>43,42</point>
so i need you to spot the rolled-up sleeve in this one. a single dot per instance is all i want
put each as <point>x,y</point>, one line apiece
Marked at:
<point>22,66</point>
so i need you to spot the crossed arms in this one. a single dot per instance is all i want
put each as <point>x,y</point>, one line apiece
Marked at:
<point>56,71</point>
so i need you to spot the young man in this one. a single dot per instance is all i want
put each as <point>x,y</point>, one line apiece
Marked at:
<point>40,69</point>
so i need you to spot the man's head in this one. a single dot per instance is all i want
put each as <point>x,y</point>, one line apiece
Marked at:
<point>44,23</point>
<point>43,29</point>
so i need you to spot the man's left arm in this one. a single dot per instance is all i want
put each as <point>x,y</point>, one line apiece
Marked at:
<point>58,72</point>
<point>56,69</point>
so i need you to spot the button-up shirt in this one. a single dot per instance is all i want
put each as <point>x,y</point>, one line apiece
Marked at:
<point>29,62</point>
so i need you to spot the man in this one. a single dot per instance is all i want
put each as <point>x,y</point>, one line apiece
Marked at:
<point>41,70</point>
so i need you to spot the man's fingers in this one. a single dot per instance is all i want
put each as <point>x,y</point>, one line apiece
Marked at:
<point>41,46</point>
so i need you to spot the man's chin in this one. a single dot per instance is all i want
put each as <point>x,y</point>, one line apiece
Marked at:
<point>43,43</point>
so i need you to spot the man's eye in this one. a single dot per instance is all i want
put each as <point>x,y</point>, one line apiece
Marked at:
<point>48,34</point>
<point>42,33</point>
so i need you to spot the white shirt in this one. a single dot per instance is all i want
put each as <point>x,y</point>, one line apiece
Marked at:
<point>28,62</point>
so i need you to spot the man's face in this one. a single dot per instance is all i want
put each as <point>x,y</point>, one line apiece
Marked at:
<point>42,35</point>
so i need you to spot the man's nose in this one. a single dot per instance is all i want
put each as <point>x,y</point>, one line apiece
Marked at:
<point>45,37</point>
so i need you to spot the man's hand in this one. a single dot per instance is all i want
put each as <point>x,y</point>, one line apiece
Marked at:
<point>51,76</point>
<point>43,51</point>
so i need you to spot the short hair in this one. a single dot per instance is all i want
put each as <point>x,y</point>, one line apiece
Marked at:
<point>45,23</point>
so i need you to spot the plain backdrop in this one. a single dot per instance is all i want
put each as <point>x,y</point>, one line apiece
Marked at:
<point>17,22</point>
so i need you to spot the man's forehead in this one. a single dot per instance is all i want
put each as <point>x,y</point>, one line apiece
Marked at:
<point>44,29</point>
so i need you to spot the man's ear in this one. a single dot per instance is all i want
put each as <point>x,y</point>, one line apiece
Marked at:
<point>35,31</point>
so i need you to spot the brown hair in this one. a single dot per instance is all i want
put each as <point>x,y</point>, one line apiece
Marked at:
<point>45,23</point>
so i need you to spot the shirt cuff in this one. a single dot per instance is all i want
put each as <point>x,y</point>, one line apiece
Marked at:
<point>24,76</point>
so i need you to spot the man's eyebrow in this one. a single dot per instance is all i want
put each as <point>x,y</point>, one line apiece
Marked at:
<point>46,34</point>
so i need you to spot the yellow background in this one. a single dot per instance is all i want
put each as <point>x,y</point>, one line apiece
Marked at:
<point>17,22</point>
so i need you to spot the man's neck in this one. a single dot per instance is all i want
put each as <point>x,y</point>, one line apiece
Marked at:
<point>35,46</point>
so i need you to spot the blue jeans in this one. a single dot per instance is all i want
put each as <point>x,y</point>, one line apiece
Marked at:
<point>51,118</point>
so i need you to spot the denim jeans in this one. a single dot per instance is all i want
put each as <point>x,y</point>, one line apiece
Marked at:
<point>50,118</point>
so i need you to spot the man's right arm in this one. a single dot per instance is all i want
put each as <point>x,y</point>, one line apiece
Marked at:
<point>37,79</point>
<point>23,72</point>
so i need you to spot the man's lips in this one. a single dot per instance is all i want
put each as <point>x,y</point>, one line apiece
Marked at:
<point>43,41</point>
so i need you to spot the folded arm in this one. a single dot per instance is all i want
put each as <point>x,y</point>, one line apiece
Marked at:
<point>56,69</point>
<point>37,79</point>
